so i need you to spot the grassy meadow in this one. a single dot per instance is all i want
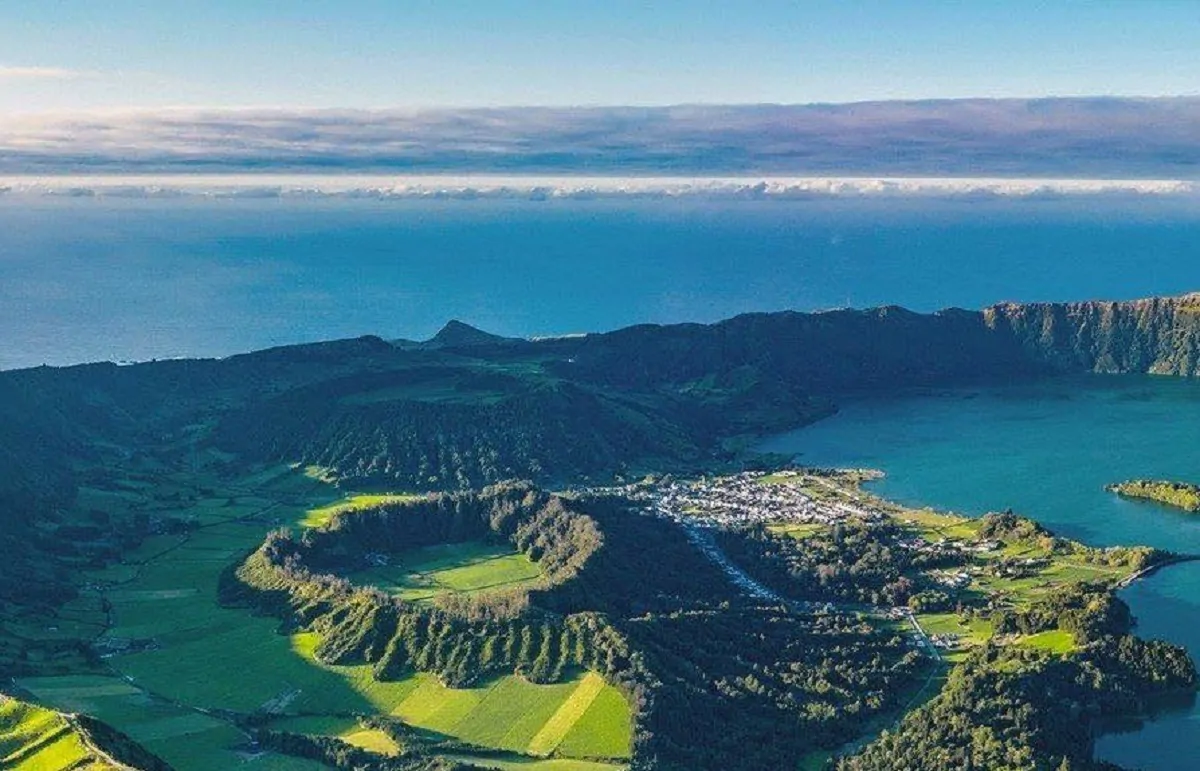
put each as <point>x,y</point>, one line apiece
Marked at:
<point>174,659</point>
<point>320,516</point>
<point>36,739</point>
<point>458,568</point>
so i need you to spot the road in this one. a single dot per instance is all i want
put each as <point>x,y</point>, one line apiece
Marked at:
<point>702,538</point>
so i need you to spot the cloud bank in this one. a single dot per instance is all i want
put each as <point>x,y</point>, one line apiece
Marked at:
<point>1049,138</point>
<point>574,187</point>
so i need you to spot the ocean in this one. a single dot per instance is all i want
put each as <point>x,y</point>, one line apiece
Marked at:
<point>87,278</point>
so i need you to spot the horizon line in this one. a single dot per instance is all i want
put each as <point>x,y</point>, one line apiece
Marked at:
<point>665,105</point>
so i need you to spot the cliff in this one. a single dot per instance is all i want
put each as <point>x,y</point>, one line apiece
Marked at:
<point>1158,335</point>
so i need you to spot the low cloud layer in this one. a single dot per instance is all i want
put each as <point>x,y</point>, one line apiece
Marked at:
<point>1084,137</point>
<point>574,187</point>
<point>38,73</point>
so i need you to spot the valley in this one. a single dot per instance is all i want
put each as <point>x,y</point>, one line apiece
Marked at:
<point>175,669</point>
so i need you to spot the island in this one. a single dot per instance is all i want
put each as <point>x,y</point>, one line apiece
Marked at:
<point>1178,495</point>
<point>482,552</point>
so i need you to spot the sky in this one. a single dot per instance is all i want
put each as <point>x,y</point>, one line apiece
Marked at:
<point>72,55</point>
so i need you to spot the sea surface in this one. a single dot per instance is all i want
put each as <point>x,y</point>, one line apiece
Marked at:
<point>88,277</point>
<point>1047,450</point>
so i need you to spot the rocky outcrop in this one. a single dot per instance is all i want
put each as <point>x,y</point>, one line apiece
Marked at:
<point>1159,335</point>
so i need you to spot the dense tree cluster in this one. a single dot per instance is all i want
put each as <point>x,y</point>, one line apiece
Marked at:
<point>338,754</point>
<point>1012,708</point>
<point>852,562</point>
<point>1088,612</point>
<point>451,428</point>
<point>717,681</point>
<point>741,686</point>
<point>1181,495</point>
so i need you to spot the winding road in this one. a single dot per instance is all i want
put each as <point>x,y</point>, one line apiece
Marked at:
<point>702,538</point>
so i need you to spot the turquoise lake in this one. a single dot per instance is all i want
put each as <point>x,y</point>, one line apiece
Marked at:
<point>1046,450</point>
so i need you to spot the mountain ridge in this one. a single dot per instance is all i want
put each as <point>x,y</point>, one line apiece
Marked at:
<point>666,392</point>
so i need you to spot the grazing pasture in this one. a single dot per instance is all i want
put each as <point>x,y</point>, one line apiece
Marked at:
<point>36,739</point>
<point>1058,641</point>
<point>582,717</point>
<point>460,568</point>
<point>320,516</point>
<point>176,661</point>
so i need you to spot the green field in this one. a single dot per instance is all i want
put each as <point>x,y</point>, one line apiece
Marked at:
<point>36,739</point>
<point>1060,571</point>
<point>936,526</point>
<point>174,651</point>
<point>975,630</point>
<point>799,531</point>
<point>583,717</point>
<point>187,739</point>
<point>532,764</point>
<point>347,729</point>
<point>462,568</point>
<point>1058,641</point>
<point>603,731</point>
<point>320,516</point>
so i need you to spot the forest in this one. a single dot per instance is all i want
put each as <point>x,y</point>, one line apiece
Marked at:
<point>1008,708</point>
<point>717,680</point>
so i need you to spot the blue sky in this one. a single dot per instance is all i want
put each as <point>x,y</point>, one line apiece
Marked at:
<point>66,56</point>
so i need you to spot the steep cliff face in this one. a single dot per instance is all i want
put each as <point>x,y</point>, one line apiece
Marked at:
<point>835,352</point>
<point>1159,335</point>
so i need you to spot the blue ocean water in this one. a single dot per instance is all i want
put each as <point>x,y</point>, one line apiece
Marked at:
<point>85,279</point>
<point>1047,450</point>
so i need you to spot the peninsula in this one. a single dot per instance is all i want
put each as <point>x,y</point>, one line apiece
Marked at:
<point>1177,495</point>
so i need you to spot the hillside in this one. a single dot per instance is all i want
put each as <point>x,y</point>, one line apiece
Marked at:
<point>468,408</point>
<point>37,739</point>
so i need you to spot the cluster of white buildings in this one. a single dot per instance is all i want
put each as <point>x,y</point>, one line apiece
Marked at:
<point>745,498</point>
<point>954,579</point>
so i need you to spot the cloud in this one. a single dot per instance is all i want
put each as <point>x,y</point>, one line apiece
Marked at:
<point>39,73</point>
<point>540,188</point>
<point>1070,137</point>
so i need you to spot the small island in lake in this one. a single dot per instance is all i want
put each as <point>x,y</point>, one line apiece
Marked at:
<point>1179,495</point>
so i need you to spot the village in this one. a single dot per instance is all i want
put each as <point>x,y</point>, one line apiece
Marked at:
<point>752,496</point>
<point>804,497</point>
